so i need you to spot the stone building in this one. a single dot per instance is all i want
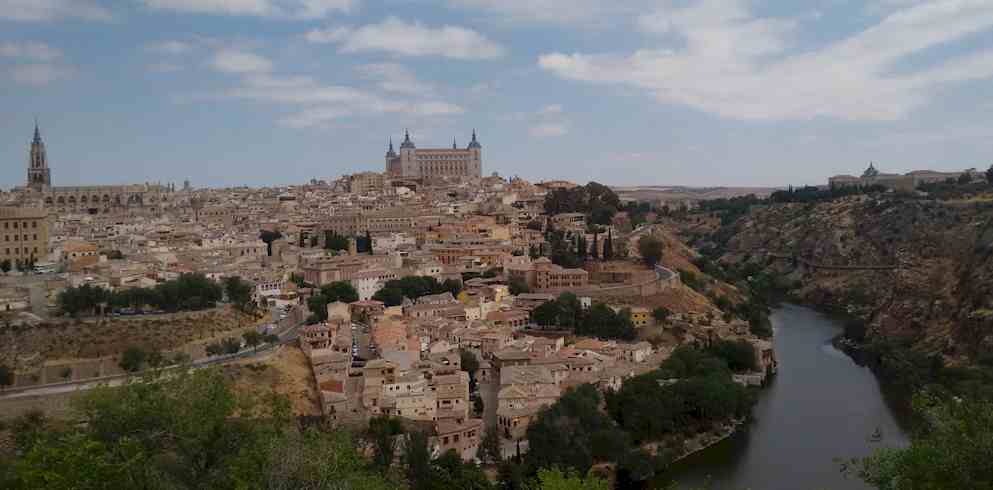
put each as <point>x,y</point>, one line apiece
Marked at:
<point>25,233</point>
<point>433,163</point>
<point>900,182</point>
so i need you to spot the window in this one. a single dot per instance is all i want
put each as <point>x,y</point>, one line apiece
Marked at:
<point>15,225</point>
<point>34,224</point>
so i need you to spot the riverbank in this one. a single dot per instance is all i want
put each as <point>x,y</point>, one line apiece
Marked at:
<point>819,408</point>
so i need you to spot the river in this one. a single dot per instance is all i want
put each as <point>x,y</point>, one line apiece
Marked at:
<point>820,407</point>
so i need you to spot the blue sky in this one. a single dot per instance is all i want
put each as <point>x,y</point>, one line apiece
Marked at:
<point>690,92</point>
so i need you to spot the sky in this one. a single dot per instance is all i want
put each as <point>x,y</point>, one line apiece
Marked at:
<point>632,92</point>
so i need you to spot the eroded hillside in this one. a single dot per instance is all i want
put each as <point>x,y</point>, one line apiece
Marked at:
<point>937,297</point>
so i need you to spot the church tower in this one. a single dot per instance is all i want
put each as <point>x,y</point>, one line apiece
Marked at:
<point>39,175</point>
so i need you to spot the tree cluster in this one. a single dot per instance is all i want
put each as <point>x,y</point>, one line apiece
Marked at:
<point>183,432</point>
<point>598,321</point>
<point>808,194</point>
<point>414,287</point>
<point>188,292</point>
<point>239,293</point>
<point>952,451</point>
<point>691,391</point>
<point>574,433</point>
<point>342,291</point>
<point>597,201</point>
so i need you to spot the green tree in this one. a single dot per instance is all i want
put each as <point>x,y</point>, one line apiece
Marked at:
<point>417,460</point>
<point>230,345</point>
<point>133,359</point>
<point>186,431</point>
<point>468,361</point>
<point>556,479</point>
<point>342,291</point>
<point>382,434</point>
<point>738,354</point>
<point>269,236</point>
<point>650,249</point>
<point>214,349</point>
<point>5,265</point>
<point>989,175</point>
<point>252,338</point>
<point>239,292</point>
<point>334,241</point>
<point>518,285</point>
<point>563,434</point>
<point>490,450</point>
<point>65,373</point>
<point>951,452</point>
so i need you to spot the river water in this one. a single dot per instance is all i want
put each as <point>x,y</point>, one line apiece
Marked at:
<point>820,407</point>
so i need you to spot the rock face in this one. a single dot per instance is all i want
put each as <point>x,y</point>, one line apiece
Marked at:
<point>939,296</point>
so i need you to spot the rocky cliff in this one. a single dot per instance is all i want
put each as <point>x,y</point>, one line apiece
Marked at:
<point>919,272</point>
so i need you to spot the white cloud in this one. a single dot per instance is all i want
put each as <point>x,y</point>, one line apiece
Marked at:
<point>737,65</point>
<point>30,50</point>
<point>403,38</point>
<point>49,10</point>
<point>232,61</point>
<point>329,35</point>
<point>550,109</point>
<point>326,103</point>
<point>552,11</point>
<point>394,77</point>
<point>548,130</point>
<point>290,9</point>
<point>169,47</point>
<point>39,74</point>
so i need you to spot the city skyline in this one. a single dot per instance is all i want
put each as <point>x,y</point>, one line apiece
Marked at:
<point>257,92</point>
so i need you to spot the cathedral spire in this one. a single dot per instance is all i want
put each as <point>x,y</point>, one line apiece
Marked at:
<point>455,145</point>
<point>37,132</point>
<point>406,140</point>
<point>391,152</point>
<point>474,143</point>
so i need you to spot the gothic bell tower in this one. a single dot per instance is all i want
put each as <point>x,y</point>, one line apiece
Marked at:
<point>39,175</point>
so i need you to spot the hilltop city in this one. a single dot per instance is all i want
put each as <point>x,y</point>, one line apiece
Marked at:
<point>427,291</point>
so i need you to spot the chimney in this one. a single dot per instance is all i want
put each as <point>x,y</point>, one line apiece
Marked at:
<point>353,247</point>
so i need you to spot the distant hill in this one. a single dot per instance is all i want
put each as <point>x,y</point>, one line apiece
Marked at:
<point>682,193</point>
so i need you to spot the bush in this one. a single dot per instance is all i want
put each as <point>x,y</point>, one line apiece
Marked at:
<point>133,359</point>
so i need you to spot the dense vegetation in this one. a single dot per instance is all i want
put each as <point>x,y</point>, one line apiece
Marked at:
<point>188,292</point>
<point>188,431</point>
<point>952,451</point>
<point>597,201</point>
<point>414,287</point>
<point>690,393</point>
<point>597,321</point>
